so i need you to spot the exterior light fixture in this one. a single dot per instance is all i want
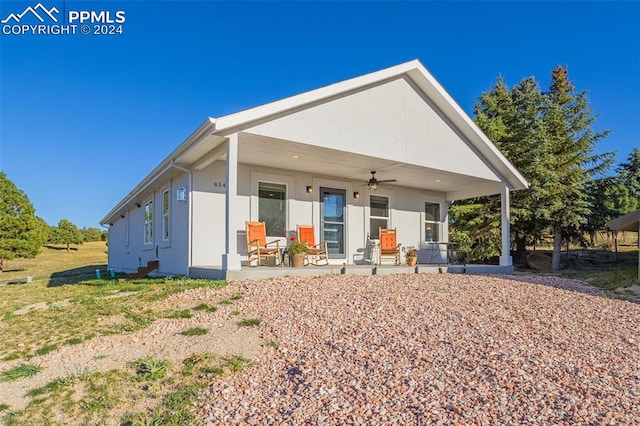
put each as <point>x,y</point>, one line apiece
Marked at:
<point>295,156</point>
<point>309,189</point>
<point>356,194</point>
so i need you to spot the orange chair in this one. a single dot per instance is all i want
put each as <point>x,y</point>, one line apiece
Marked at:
<point>258,247</point>
<point>317,252</point>
<point>389,248</point>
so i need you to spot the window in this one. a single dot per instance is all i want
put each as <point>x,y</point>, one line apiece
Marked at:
<point>148,222</point>
<point>431,221</point>
<point>165,215</point>
<point>379,215</point>
<point>272,208</point>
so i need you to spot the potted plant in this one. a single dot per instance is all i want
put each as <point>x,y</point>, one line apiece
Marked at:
<point>411,255</point>
<point>297,251</point>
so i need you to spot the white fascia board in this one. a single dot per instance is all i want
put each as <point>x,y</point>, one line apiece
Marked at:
<point>203,130</point>
<point>628,222</point>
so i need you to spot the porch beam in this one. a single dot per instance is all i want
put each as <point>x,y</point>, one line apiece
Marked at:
<point>211,156</point>
<point>231,259</point>
<point>505,256</point>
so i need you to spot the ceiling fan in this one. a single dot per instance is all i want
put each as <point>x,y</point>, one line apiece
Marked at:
<point>373,182</point>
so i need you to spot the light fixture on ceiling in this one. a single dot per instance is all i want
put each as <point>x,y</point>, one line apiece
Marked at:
<point>373,182</point>
<point>437,180</point>
<point>309,189</point>
<point>295,156</point>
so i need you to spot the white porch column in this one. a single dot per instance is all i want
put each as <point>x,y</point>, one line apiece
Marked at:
<point>231,259</point>
<point>505,256</point>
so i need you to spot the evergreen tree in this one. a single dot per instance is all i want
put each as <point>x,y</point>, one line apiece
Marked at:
<point>548,138</point>
<point>513,120</point>
<point>629,174</point>
<point>568,121</point>
<point>66,233</point>
<point>22,233</point>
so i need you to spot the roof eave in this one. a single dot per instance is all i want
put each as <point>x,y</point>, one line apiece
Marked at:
<point>203,130</point>
<point>628,222</point>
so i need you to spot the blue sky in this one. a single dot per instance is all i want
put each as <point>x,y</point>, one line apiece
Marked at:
<point>83,118</point>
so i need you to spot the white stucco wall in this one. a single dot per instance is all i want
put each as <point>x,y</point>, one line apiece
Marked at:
<point>208,205</point>
<point>407,210</point>
<point>127,250</point>
<point>390,114</point>
<point>208,215</point>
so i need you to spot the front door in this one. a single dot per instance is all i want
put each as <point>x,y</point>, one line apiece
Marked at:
<point>332,214</point>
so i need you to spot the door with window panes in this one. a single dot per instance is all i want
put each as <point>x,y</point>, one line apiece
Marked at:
<point>332,224</point>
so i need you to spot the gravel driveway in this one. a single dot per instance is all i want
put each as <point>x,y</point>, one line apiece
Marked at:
<point>434,349</point>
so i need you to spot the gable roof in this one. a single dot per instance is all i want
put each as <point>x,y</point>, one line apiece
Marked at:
<point>628,222</point>
<point>415,71</point>
<point>213,131</point>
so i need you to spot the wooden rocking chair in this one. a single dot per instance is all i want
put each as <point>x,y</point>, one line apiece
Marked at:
<point>258,247</point>
<point>317,252</point>
<point>389,248</point>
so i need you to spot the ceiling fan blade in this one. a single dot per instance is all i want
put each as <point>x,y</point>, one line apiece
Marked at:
<point>387,180</point>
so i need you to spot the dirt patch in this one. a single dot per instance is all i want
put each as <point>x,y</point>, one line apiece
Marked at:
<point>162,340</point>
<point>41,306</point>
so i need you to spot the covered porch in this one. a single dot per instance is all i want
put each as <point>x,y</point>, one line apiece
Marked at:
<point>305,170</point>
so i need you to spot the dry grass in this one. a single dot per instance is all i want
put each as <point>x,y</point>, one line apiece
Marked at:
<point>56,262</point>
<point>64,305</point>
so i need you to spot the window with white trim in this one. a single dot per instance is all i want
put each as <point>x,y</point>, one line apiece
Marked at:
<point>148,222</point>
<point>272,208</point>
<point>378,215</point>
<point>165,215</point>
<point>432,223</point>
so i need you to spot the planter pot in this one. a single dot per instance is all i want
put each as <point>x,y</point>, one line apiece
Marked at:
<point>297,260</point>
<point>412,261</point>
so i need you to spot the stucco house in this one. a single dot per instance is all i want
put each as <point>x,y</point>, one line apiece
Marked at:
<point>308,159</point>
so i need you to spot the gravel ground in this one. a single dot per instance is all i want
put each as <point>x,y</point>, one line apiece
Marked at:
<point>434,349</point>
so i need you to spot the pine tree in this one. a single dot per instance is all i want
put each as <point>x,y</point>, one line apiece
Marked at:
<point>66,233</point>
<point>548,138</point>
<point>512,119</point>
<point>22,233</point>
<point>629,174</point>
<point>568,121</point>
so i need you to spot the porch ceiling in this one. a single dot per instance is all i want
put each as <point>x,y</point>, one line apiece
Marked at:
<point>282,154</point>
